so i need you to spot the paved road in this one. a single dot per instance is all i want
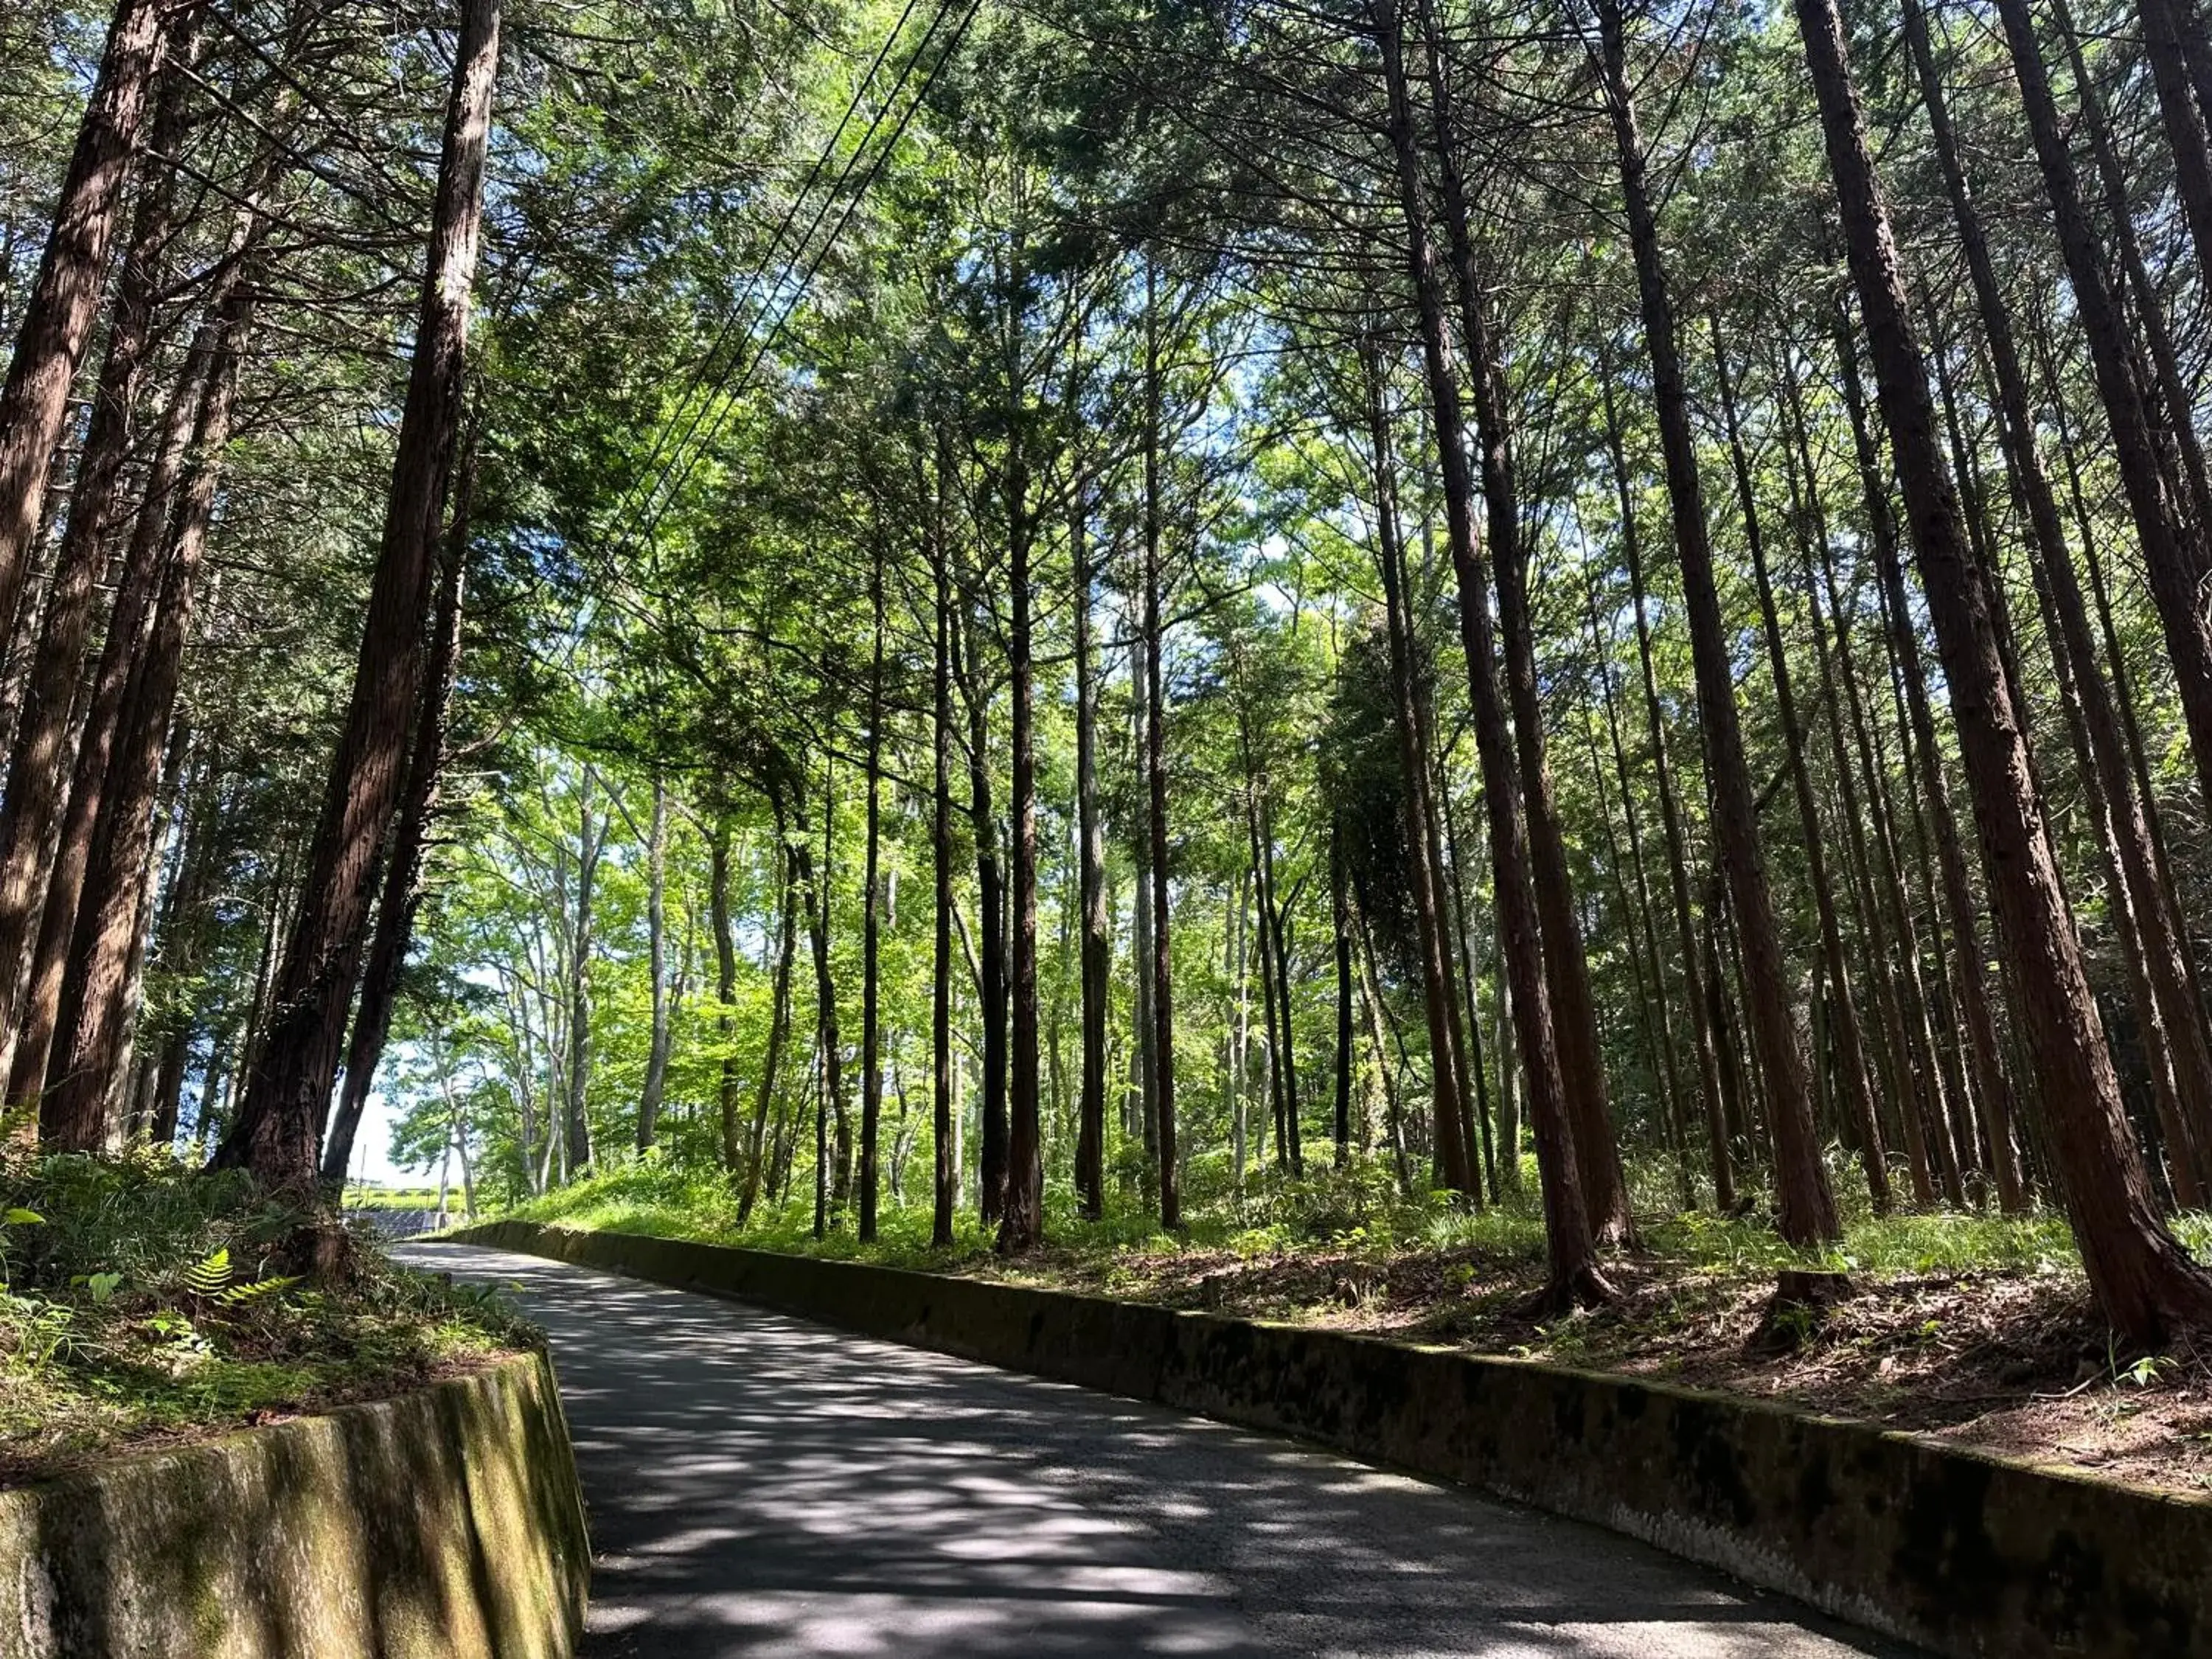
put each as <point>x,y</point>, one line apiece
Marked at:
<point>760,1486</point>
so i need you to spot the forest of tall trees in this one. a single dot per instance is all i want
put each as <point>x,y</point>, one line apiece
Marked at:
<point>1057,613</point>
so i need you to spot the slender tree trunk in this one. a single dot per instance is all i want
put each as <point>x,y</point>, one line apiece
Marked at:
<point>871,1062</point>
<point>1445,1055</point>
<point>990,888</point>
<point>1340,894</point>
<point>92,1019</point>
<point>656,956</point>
<point>1022,1226</point>
<point>591,844</point>
<point>64,298</point>
<point>1574,1273</point>
<point>1156,778</point>
<point>1096,953</point>
<point>1992,1086</point>
<point>1704,995</point>
<point>2184,121</point>
<point>1850,1054</point>
<point>779,1022</point>
<point>27,1043</point>
<point>1806,1207</point>
<point>2176,561</point>
<point>2144,1280</point>
<point>38,765</point>
<point>944,1085</point>
<point>280,1122</point>
<point>411,841</point>
<point>1582,1061</point>
<point>721,924</point>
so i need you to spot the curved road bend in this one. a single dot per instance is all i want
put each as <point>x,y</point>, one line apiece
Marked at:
<point>760,1486</point>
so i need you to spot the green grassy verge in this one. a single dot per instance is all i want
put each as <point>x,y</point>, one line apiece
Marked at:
<point>1353,1211</point>
<point>141,1302</point>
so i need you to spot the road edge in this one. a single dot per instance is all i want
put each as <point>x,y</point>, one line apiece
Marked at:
<point>1971,1555</point>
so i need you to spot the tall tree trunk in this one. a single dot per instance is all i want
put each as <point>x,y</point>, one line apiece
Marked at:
<point>1806,1207</point>
<point>656,967</point>
<point>2105,757</point>
<point>1850,1053</point>
<point>2144,1280</point>
<point>280,1122</point>
<point>2175,559</point>
<point>38,765</point>
<point>1096,955</point>
<point>1022,1226</point>
<point>1156,778</point>
<point>591,845</point>
<point>871,1062</point>
<point>27,1043</point>
<point>2183,119</point>
<point>1574,1273</point>
<point>1339,897</point>
<point>944,1085</point>
<point>64,297</point>
<point>990,888</point>
<point>779,1022</point>
<point>1992,1086</point>
<point>90,1032</point>
<point>1445,1054</point>
<point>1884,916</point>
<point>1582,1059</point>
<point>1702,996</point>
<point>721,924</point>
<point>410,840</point>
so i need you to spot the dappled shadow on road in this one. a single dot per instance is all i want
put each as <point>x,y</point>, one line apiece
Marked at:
<point>764,1486</point>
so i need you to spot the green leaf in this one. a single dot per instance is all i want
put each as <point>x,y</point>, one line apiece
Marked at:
<point>210,1273</point>
<point>21,1217</point>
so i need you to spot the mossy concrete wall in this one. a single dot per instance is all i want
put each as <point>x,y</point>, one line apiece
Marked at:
<point>444,1524</point>
<point>1966,1554</point>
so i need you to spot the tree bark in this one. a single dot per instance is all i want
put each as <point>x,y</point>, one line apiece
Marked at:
<point>990,887</point>
<point>1096,953</point>
<point>280,1122</point>
<point>1702,996</point>
<point>1022,1224</point>
<point>779,1025</point>
<point>410,840</point>
<point>64,298</point>
<point>38,765</point>
<point>1574,1275</point>
<point>2175,559</point>
<point>1806,1207</point>
<point>944,1086</point>
<point>1156,779</point>
<point>93,1017</point>
<point>1446,1057</point>
<point>656,927</point>
<point>872,1070</point>
<point>1850,1053</point>
<point>1582,1058</point>
<point>2144,1280</point>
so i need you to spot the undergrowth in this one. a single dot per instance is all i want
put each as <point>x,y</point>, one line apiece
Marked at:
<point>1357,1210</point>
<point>140,1300</point>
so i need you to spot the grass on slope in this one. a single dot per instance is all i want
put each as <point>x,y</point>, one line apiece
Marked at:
<point>140,1304</point>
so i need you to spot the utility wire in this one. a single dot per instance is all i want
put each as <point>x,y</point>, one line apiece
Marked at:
<point>699,370</point>
<point>662,493</point>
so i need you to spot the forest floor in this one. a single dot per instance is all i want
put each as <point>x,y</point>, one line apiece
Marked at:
<point>144,1305</point>
<point>1976,1329</point>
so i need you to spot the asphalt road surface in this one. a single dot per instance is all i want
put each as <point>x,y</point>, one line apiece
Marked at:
<point>760,1486</point>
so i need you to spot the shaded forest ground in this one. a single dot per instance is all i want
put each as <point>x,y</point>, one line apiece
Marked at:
<point>1976,1329</point>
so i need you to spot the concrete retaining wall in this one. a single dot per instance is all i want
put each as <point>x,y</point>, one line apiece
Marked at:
<point>1967,1554</point>
<point>444,1524</point>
